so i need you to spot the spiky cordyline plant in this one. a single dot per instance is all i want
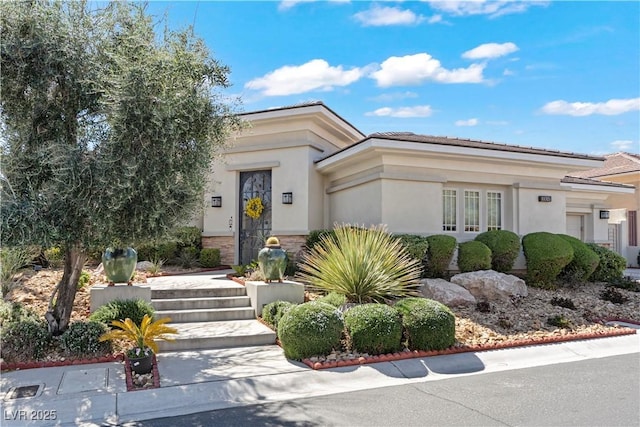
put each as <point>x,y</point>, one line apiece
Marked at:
<point>143,336</point>
<point>365,265</point>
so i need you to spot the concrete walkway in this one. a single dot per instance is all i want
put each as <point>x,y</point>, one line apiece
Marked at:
<point>196,381</point>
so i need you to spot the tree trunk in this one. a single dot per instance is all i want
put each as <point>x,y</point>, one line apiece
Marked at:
<point>61,302</point>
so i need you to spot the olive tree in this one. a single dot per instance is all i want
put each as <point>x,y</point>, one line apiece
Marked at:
<point>109,129</point>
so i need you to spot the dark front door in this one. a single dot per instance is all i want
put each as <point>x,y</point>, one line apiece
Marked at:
<point>254,228</point>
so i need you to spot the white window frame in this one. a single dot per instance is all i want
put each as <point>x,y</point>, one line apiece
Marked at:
<point>450,227</point>
<point>500,225</point>
<point>478,223</point>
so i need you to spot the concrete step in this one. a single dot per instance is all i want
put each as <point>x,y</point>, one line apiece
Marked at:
<point>209,335</point>
<point>207,315</point>
<point>200,303</point>
<point>201,292</point>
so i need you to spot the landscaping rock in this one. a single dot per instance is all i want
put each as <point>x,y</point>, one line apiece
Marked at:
<point>144,266</point>
<point>489,285</point>
<point>447,293</point>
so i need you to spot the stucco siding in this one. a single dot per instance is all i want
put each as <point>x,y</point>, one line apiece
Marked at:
<point>411,206</point>
<point>361,204</point>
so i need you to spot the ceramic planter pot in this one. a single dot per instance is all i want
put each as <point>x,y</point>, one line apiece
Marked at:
<point>119,264</point>
<point>141,365</point>
<point>272,260</point>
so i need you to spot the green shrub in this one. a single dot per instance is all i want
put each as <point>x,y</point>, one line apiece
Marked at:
<point>439,255</point>
<point>333,298</point>
<point>188,258</point>
<point>365,265</point>
<point>310,329</point>
<point>14,312</point>
<point>584,263</point>
<point>611,265</point>
<point>316,236</point>
<point>473,256</point>
<point>415,245</point>
<point>54,256</point>
<point>166,250</point>
<point>292,265</point>
<point>210,257</point>
<point>188,236</point>
<point>374,328</point>
<point>84,279</point>
<point>428,324</point>
<point>81,339</point>
<point>24,340</point>
<point>273,312</point>
<point>547,254</point>
<point>135,309</point>
<point>505,247</point>
<point>12,259</point>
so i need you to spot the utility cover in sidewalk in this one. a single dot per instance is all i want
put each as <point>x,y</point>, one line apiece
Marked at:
<point>24,391</point>
<point>83,380</point>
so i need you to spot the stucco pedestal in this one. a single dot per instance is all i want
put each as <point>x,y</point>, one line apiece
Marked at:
<point>262,293</point>
<point>103,294</point>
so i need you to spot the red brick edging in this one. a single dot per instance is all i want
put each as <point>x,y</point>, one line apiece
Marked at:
<point>49,364</point>
<point>154,369</point>
<point>410,354</point>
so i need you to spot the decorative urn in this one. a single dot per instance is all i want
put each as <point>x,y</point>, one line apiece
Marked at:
<point>272,260</point>
<point>119,264</point>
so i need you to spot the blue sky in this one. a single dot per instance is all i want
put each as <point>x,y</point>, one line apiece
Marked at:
<point>558,75</point>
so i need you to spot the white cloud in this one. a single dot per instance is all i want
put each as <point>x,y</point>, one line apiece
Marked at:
<point>470,122</point>
<point>288,4</point>
<point>314,75</point>
<point>611,107</point>
<point>403,112</point>
<point>435,19</point>
<point>415,69</point>
<point>484,7</point>
<point>622,145</point>
<point>507,72</point>
<point>383,16</point>
<point>490,50</point>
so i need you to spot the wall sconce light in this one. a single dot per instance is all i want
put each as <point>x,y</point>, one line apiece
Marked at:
<point>216,201</point>
<point>604,214</point>
<point>287,198</point>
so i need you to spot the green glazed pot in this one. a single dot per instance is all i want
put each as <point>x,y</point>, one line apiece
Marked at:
<point>119,264</point>
<point>273,262</point>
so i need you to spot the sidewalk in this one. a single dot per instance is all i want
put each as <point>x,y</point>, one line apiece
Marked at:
<point>93,395</point>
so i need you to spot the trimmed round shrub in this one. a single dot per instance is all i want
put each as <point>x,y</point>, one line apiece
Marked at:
<point>210,257</point>
<point>335,299</point>
<point>611,266</point>
<point>547,254</point>
<point>473,256</point>
<point>134,309</point>
<point>427,324</point>
<point>439,255</point>
<point>310,329</point>
<point>584,263</point>
<point>27,339</point>
<point>505,247</point>
<point>81,339</point>
<point>415,245</point>
<point>273,312</point>
<point>188,236</point>
<point>374,328</point>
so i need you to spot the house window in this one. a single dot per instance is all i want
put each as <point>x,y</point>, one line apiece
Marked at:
<point>633,228</point>
<point>472,211</point>
<point>494,210</point>
<point>449,210</point>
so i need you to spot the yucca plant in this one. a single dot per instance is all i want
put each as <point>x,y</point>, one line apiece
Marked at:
<point>365,265</point>
<point>141,337</point>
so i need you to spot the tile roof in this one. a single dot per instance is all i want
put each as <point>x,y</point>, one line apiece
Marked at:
<point>614,164</point>
<point>470,143</point>
<point>589,181</point>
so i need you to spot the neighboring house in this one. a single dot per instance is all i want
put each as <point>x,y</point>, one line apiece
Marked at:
<point>621,168</point>
<point>312,169</point>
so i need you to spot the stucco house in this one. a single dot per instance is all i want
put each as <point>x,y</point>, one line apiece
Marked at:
<point>311,169</point>
<point>624,235</point>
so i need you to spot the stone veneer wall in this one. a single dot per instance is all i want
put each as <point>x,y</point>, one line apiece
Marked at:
<point>292,244</point>
<point>225,244</point>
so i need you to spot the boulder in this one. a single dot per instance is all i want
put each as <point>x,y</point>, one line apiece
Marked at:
<point>489,285</point>
<point>144,265</point>
<point>445,292</point>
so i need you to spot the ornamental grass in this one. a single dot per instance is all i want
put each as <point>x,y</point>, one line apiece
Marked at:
<point>364,265</point>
